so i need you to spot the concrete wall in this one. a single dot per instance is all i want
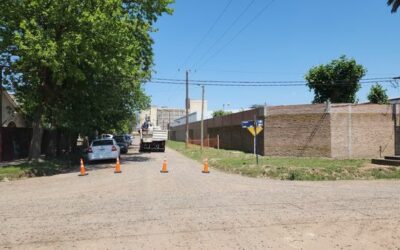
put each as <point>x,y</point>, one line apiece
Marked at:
<point>195,106</point>
<point>361,131</point>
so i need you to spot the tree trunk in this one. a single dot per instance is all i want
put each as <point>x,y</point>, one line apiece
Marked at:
<point>36,141</point>
<point>74,142</point>
<point>51,147</point>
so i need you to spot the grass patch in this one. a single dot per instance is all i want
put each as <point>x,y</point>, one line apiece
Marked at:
<point>31,169</point>
<point>287,168</point>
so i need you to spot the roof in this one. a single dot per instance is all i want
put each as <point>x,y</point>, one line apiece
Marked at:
<point>11,98</point>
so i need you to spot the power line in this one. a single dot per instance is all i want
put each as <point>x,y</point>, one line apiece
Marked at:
<point>208,32</point>
<point>270,84</point>
<point>240,31</point>
<point>225,81</point>
<point>261,82</point>
<point>226,31</point>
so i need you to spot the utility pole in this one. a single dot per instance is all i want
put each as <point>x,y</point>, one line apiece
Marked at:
<point>255,137</point>
<point>169,124</point>
<point>187,109</point>
<point>202,117</point>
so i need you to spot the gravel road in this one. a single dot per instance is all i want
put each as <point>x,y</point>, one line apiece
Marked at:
<point>185,209</point>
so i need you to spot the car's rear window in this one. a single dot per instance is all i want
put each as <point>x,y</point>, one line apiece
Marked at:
<point>119,138</point>
<point>103,143</point>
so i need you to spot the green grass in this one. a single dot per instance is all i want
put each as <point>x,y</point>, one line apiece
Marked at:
<point>287,168</point>
<point>31,169</point>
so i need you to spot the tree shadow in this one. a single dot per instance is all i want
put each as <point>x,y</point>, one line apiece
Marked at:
<point>135,157</point>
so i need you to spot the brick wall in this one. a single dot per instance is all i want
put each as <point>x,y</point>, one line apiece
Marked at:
<point>337,130</point>
<point>228,127</point>
<point>361,131</point>
<point>298,130</point>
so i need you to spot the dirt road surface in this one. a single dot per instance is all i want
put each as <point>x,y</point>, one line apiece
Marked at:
<point>185,209</point>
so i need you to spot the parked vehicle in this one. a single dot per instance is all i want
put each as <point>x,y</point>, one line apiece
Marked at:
<point>152,138</point>
<point>103,149</point>
<point>106,136</point>
<point>122,143</point>
<point>128,138</point>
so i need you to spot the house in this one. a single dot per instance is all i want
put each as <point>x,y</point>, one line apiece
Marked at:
<point>10,117</point>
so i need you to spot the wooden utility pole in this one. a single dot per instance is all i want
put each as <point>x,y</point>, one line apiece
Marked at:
<point>255,136</point>
<point>202,117</point>
<point>187,109</point>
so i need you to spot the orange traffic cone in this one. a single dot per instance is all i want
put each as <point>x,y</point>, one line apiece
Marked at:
<point>164,166</point>
<point>83,171</point>
<point>205,170</point>
<point>117,167</point>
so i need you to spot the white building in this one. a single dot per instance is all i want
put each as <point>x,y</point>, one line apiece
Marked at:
<point>165,116</point>
<point>10,116</point>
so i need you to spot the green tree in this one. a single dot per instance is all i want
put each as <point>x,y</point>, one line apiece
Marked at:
<point>395,4</point>
<point>378,95</point>
<point>79,64</point>
<point>221,112</point>
<point>337,82</point>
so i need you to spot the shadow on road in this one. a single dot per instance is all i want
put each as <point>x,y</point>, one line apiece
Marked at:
<point>131,156</point>
<point>134,157</point>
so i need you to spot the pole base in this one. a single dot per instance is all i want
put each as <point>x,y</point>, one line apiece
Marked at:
<point>117,172</point>
<point>205,172</point>
<point>163,172</point>
<point>83,174</point>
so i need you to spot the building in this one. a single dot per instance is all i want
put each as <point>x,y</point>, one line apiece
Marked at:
<point>195,106</point>
<point>164,116</point>
<point>320,130</point>
<point>394,100</point>
<point>193,117</point>
<point>150,113</point>
<point>10,116</point>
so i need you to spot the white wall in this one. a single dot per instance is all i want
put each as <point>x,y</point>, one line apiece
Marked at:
<point>9,112</point>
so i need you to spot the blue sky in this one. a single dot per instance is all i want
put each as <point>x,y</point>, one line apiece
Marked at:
<point>288,39</point>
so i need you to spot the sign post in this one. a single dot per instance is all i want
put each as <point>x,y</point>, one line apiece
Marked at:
<point>254,127</point>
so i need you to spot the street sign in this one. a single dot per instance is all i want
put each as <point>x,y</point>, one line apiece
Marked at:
<point>250,124</point>
<point>247,124</point>
<point>256,132</point>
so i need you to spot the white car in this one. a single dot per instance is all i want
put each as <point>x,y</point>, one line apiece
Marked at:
<point>103,149</point>
<point>106,136</point>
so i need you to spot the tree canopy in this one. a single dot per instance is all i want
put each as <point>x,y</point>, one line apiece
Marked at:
<point>79,64</point>
<point>221,112</point>
<point>395,4</point>
<point>337,81</point>
<point>377,94</point>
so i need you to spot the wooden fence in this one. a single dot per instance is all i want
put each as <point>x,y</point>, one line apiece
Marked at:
<point>207,142</point>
